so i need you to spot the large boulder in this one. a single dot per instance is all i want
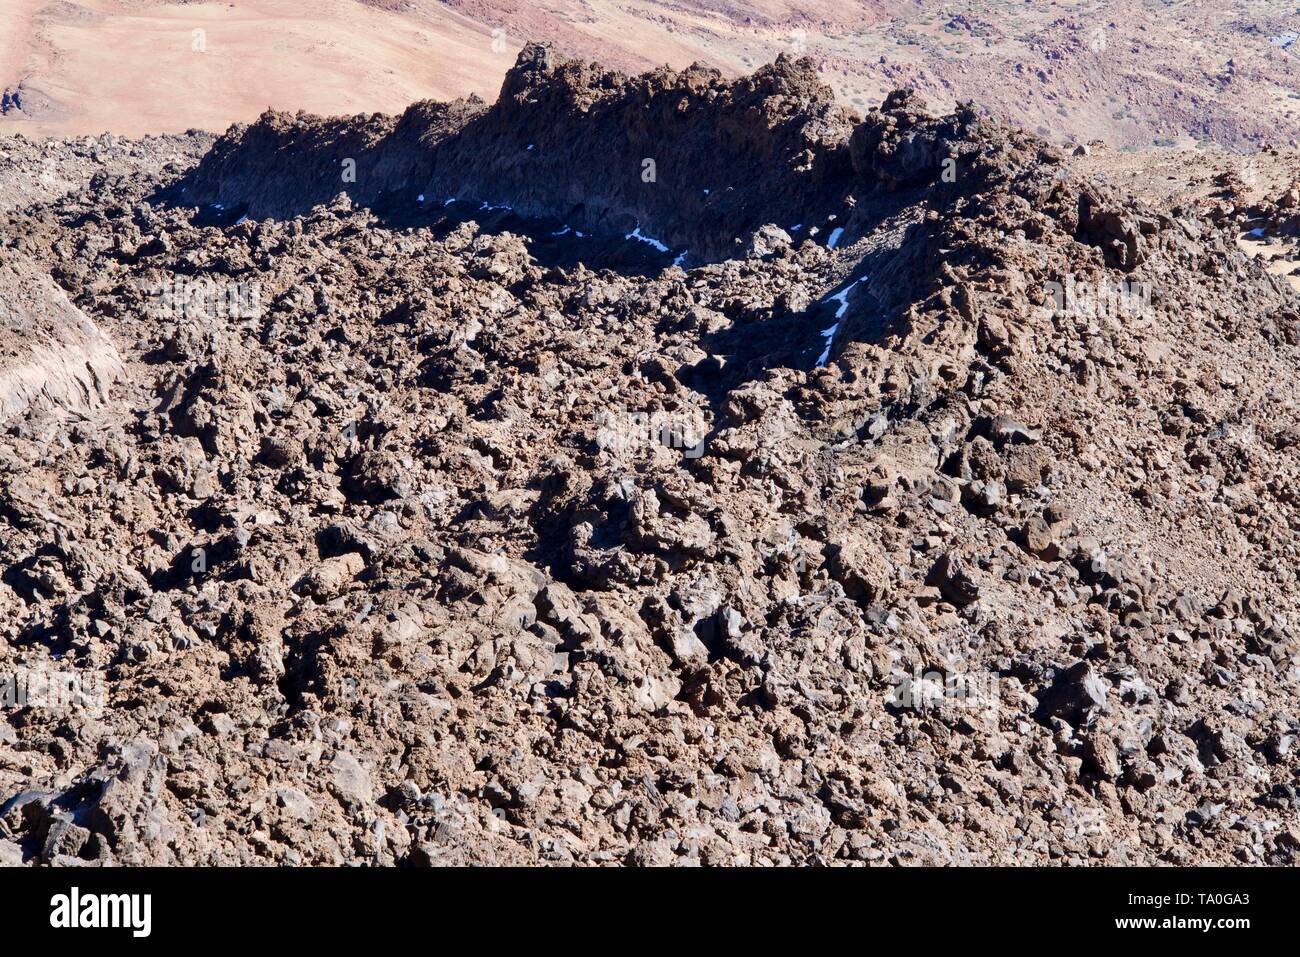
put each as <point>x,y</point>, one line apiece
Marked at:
<point>49,351</point>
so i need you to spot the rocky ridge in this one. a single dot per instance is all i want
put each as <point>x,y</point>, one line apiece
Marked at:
<point>967,540</point>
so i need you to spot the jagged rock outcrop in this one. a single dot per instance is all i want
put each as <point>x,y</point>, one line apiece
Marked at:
<point>49,351</point>
<point>959,535</point>
<point>688,158</point>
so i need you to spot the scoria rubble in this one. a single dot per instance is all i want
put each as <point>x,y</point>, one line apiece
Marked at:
<point>827,489</point>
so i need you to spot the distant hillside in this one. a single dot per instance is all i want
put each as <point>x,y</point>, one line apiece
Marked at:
<point>1134,73</point>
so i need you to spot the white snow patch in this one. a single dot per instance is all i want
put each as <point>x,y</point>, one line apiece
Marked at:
<point>420,198</point>
<point>842,297</point>
<point>682,257</point>
<point>241,219</point>
<point>563,232</point>
<point>638,235</point>
<point>834,239</point>
<point>829,336</point>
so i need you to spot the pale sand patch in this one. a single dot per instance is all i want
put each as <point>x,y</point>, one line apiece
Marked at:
<point>1278,267</point>
<point>16,31</point>
<point>129,67</point>
<point>135,70</point>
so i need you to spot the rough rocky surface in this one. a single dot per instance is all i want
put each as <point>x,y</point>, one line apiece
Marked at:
<point>686,159</point>
<point>49,352</point>
<point>1134,73</point>
<point>410,538</point>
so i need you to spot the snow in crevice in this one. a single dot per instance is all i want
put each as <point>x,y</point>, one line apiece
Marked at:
<point>834,239</point>
<point>638,235</point>
<point>842,297</point>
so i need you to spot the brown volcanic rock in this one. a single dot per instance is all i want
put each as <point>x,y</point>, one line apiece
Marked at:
<point>691,159</point>
<point>569,139</point>
<point>49,351</point>
<point>453,554</point>
<point>284,163</point>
